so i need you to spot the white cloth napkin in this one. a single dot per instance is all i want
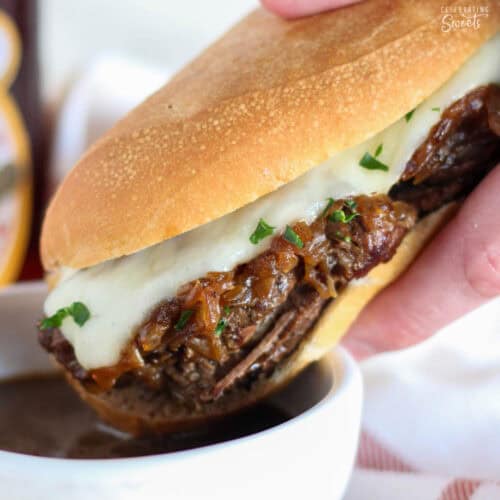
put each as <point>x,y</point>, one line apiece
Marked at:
<point>431,425</point>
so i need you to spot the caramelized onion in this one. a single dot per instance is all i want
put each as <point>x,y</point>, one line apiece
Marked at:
<point>105,378</point>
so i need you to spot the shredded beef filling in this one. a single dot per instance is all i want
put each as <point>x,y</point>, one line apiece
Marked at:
<point>458,152</point>
<point>222,332</point>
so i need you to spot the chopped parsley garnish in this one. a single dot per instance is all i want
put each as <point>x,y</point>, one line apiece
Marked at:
<point>330,202</point>
<point>340,236</point>
<point>340,216</point>
<point>78,311</point>
<point>221,325</point>
<point>371,163</point>
<point>54,321</point>
<point>263,230</point>
<point>409,115</point>
<point>436,109</point>
<point>351,204</point>
<point>185,315</point>
<point>379,150</point>
<point>292,237</point>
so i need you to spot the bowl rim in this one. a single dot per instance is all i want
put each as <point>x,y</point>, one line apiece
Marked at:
<point>344,370</point>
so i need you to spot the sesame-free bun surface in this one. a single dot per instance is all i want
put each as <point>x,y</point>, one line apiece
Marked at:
<point>138,410</point>
<point>267,102</point>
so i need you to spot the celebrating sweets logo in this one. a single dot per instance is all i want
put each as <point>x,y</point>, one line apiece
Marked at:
<point>459,17</point>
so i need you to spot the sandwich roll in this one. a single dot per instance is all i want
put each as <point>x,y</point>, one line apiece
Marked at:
<point>227,232</point>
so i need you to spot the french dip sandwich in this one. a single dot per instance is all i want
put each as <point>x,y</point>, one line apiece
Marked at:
<point>227,232</point>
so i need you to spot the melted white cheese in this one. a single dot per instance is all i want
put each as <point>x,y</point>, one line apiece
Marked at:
<point>120,293</point>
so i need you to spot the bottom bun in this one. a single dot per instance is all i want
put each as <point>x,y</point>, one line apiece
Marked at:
<point>138,410</point>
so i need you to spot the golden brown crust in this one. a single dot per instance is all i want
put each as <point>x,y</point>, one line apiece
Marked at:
<point>267,102</point>
<point>138,412</point>
<point>134,410</point>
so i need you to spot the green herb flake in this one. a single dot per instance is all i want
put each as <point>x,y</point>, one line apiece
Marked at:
<point>184,318</point>
<point>77,310</point>
<point>263,230</point>
<point>54,321</point>
<point>351,204</point>
<point>330,202</point>
<point>221,325</point>
<point>371,163</point>
<point>436,109</point>
<point>409,115</point>
<point>340,236</point>
<point>379,150</point>
<point>340,216</point>
<point>292,237</point>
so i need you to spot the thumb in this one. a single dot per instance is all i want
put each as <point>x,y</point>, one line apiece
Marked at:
<point>290,9</point>
<point>457,272</point>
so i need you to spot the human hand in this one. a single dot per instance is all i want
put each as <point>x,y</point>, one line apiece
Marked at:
<point>290,9</point>
<point>457,272</point>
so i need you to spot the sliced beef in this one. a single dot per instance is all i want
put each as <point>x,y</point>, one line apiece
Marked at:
<point>53,341</point>
<point>243,323</point>
<point>459,150</point>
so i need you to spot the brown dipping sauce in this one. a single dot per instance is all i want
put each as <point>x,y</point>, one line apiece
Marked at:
<point>41,415</point>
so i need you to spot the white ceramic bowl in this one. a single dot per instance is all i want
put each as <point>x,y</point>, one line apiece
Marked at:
<point>309,456</point>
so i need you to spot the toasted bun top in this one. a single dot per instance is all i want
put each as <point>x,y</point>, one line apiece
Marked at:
<point>267,102</point>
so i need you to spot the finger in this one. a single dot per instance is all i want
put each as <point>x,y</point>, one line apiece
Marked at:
<point>290,9</point>
<point>457,272</point>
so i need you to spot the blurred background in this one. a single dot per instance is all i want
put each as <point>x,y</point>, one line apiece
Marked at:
<point>69,70</point>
